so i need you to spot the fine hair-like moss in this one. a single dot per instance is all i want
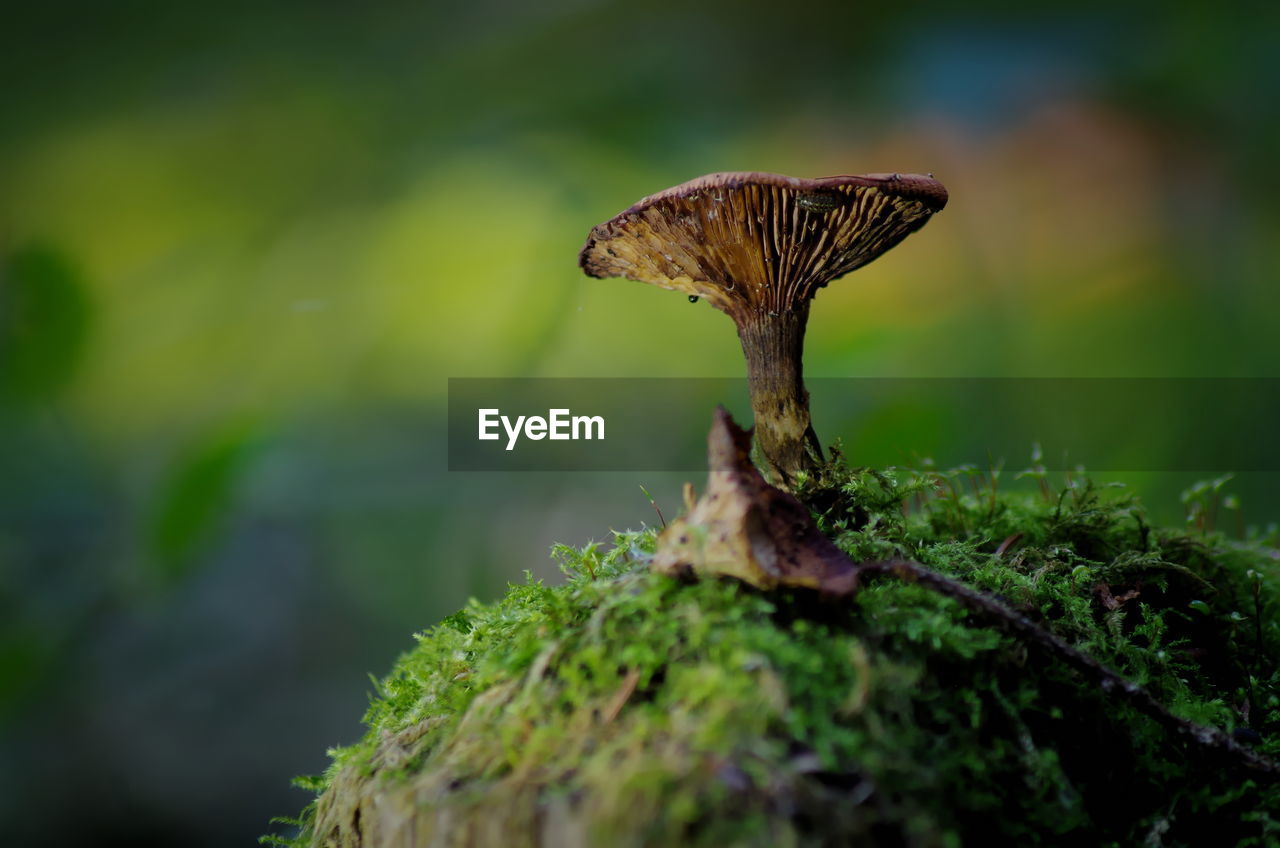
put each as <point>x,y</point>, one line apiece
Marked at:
<point>627,708</point>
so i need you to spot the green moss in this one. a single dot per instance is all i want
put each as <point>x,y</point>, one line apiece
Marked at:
<point>629,708</point>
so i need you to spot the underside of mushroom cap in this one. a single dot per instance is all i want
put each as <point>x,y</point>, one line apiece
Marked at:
<point>748,241</point>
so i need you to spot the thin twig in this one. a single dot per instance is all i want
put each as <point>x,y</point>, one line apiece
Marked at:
<point>1211,739</point>
<point>654,504</point>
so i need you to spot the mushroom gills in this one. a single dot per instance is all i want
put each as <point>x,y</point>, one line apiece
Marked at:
<point>821,202</point>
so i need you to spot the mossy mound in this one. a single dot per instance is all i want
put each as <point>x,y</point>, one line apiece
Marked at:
<point>627,708</point>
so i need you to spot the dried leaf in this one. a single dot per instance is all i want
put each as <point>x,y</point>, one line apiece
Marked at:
<point>745,528</point>
<point>1111,601</point>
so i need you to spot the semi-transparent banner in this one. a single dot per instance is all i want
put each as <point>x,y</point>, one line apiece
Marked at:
<point>1121,424</point>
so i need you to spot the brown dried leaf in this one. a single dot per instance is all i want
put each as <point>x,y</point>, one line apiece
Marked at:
<point>745,528</point>
<point>1111,601</point>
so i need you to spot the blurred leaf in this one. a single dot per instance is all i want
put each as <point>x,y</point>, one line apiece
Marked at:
<point>25,658</point>
<point>195,501</point>
<point>44,322</point>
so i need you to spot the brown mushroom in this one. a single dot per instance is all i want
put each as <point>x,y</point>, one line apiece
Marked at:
<point>758,247</point>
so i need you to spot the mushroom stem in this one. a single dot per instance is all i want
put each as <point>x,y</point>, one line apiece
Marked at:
<point>773,344</point>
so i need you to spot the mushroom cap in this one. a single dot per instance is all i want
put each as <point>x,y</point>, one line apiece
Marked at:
<point>751,242</point>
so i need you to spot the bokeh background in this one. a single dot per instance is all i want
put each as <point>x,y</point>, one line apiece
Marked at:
<point>244,245</point>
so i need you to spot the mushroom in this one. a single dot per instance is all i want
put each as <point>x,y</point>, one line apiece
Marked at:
<point>758,247</point>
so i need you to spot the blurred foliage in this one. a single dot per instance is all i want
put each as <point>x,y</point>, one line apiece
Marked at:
<point>44,322</point>
<point>197,497</point>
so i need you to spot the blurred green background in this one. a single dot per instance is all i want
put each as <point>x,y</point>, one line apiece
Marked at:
<point>244,245</point>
